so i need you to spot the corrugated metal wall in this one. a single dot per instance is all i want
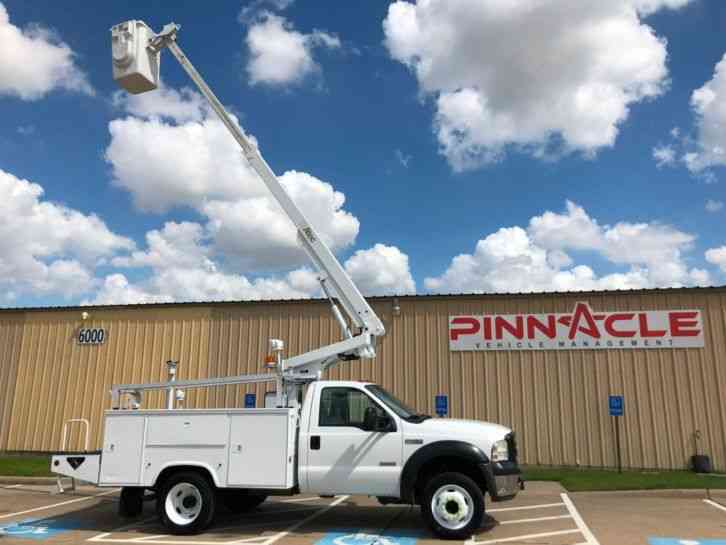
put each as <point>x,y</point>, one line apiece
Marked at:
<point>556,400</point>
<point>58,379</point>
<point>11,331</point>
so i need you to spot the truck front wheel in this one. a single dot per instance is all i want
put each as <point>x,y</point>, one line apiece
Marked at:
<point>452,505</point>
<point>186,503</point>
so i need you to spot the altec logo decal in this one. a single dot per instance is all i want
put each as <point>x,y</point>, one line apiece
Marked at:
<point>580,329</point>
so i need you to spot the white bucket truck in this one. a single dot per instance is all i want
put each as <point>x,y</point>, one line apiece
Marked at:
<point>323,437</point>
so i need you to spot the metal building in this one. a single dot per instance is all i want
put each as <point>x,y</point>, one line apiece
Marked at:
<point>543,364</point>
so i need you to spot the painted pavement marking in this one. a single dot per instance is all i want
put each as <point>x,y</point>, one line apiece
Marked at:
<point>257,540</point>
<point>51,506</point>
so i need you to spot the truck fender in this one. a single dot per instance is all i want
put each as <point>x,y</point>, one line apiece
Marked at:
<point>185,464</point>
<point>437,449</point>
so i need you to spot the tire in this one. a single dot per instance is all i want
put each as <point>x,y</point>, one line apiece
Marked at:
<point>131,502</point>
<point>186,503</point>
<point>452,506</point>
<point>238,501</point>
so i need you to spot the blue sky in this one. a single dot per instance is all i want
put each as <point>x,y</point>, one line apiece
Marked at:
<point>452,129</point>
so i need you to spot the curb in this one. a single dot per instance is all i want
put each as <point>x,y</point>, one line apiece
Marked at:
<point>27,480</point>
<point>665,492</point>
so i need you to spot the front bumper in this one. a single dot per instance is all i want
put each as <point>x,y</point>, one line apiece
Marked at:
<point>503,480</point>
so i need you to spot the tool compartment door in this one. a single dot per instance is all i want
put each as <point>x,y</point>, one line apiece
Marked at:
<point>262,449</point>
<point>122,445</point>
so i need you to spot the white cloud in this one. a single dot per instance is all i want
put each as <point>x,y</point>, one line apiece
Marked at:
<point>717,256</point>
<point>164,103</point>
<point>544,77</point>
<point>116,290</point>
<point>281,55</point>
<point>709,106</point>
<point>403,158</point>
<point>381,270</point>
<point>572,230</point>
<point>255,232</point>
<point>713,206</point>
<point>47,248</point>
<point>174,153</point>
<point>183,268</point>
<point>665,156</point>
<point>517,260</point>
<point>647,7</point>
<point>34,61</point>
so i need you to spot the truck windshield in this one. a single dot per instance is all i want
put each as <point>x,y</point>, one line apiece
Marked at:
<point>396,405</point>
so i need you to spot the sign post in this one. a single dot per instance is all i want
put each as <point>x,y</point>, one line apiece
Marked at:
<point>617,409</point>
<point>442,405</point>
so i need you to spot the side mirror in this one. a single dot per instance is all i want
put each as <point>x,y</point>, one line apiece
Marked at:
<point>384,424</point>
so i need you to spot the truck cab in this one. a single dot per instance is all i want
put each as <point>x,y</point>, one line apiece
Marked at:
<point>356,438</point>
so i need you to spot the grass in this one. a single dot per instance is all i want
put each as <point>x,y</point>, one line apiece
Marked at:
<point>573,480</point>
<point>580,480</point>
<point>25,465</point>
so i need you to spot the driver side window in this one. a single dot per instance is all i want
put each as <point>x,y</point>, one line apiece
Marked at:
<point>345,407</point>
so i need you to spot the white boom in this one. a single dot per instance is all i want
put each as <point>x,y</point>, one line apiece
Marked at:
<point>136,50</point>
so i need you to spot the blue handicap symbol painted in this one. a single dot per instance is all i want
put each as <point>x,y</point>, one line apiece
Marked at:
<point>367,537</point>
<point>38,529</point>
<point>684,541</point>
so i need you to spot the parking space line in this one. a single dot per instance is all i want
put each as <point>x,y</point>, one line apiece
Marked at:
<point>137,523</point>
<point>12,486</point>
<point>313,498</point>
<point>715,504</point>
<point>522,538</point>
<point>524,507</point>
<point>297,525</point>
<point>76,500</point>
<point>590,539</point>
<point>538,519</point>
<point>259,540</point>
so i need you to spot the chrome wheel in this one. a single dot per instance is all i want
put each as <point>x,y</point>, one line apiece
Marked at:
<point>183,503</point>
<point>452,507</point>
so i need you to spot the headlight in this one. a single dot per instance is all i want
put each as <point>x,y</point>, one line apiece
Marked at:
<point>500,451</point>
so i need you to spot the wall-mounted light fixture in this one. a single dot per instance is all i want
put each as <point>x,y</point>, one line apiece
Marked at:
<point>396,307</point>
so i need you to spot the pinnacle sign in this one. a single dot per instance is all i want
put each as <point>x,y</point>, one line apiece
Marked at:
<point>583,328</point>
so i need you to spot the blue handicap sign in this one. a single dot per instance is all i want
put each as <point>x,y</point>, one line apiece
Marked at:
<point>38,529</point>
<point>366,537</point>
<point>684,541</point>
<point>442,405</point>
<point>616,405</point>
<point>250,401</point>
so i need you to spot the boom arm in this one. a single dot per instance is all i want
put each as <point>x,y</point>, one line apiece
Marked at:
<point>333,278</point>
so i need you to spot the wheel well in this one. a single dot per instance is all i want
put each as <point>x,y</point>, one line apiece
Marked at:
<point>169,471</point>
<point>444,464</point>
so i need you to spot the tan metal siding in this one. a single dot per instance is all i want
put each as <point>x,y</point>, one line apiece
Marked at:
<point>555,400</point>
<point>11,331</point>
<point>59,379</point>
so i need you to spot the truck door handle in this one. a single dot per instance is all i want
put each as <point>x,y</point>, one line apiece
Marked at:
<point>314,442</point>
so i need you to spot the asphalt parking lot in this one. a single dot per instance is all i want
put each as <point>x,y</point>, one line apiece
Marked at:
<point>544,514</point>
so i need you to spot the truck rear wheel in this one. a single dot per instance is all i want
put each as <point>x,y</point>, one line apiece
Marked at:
<point>186,503</point>
<point>452,505</point>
